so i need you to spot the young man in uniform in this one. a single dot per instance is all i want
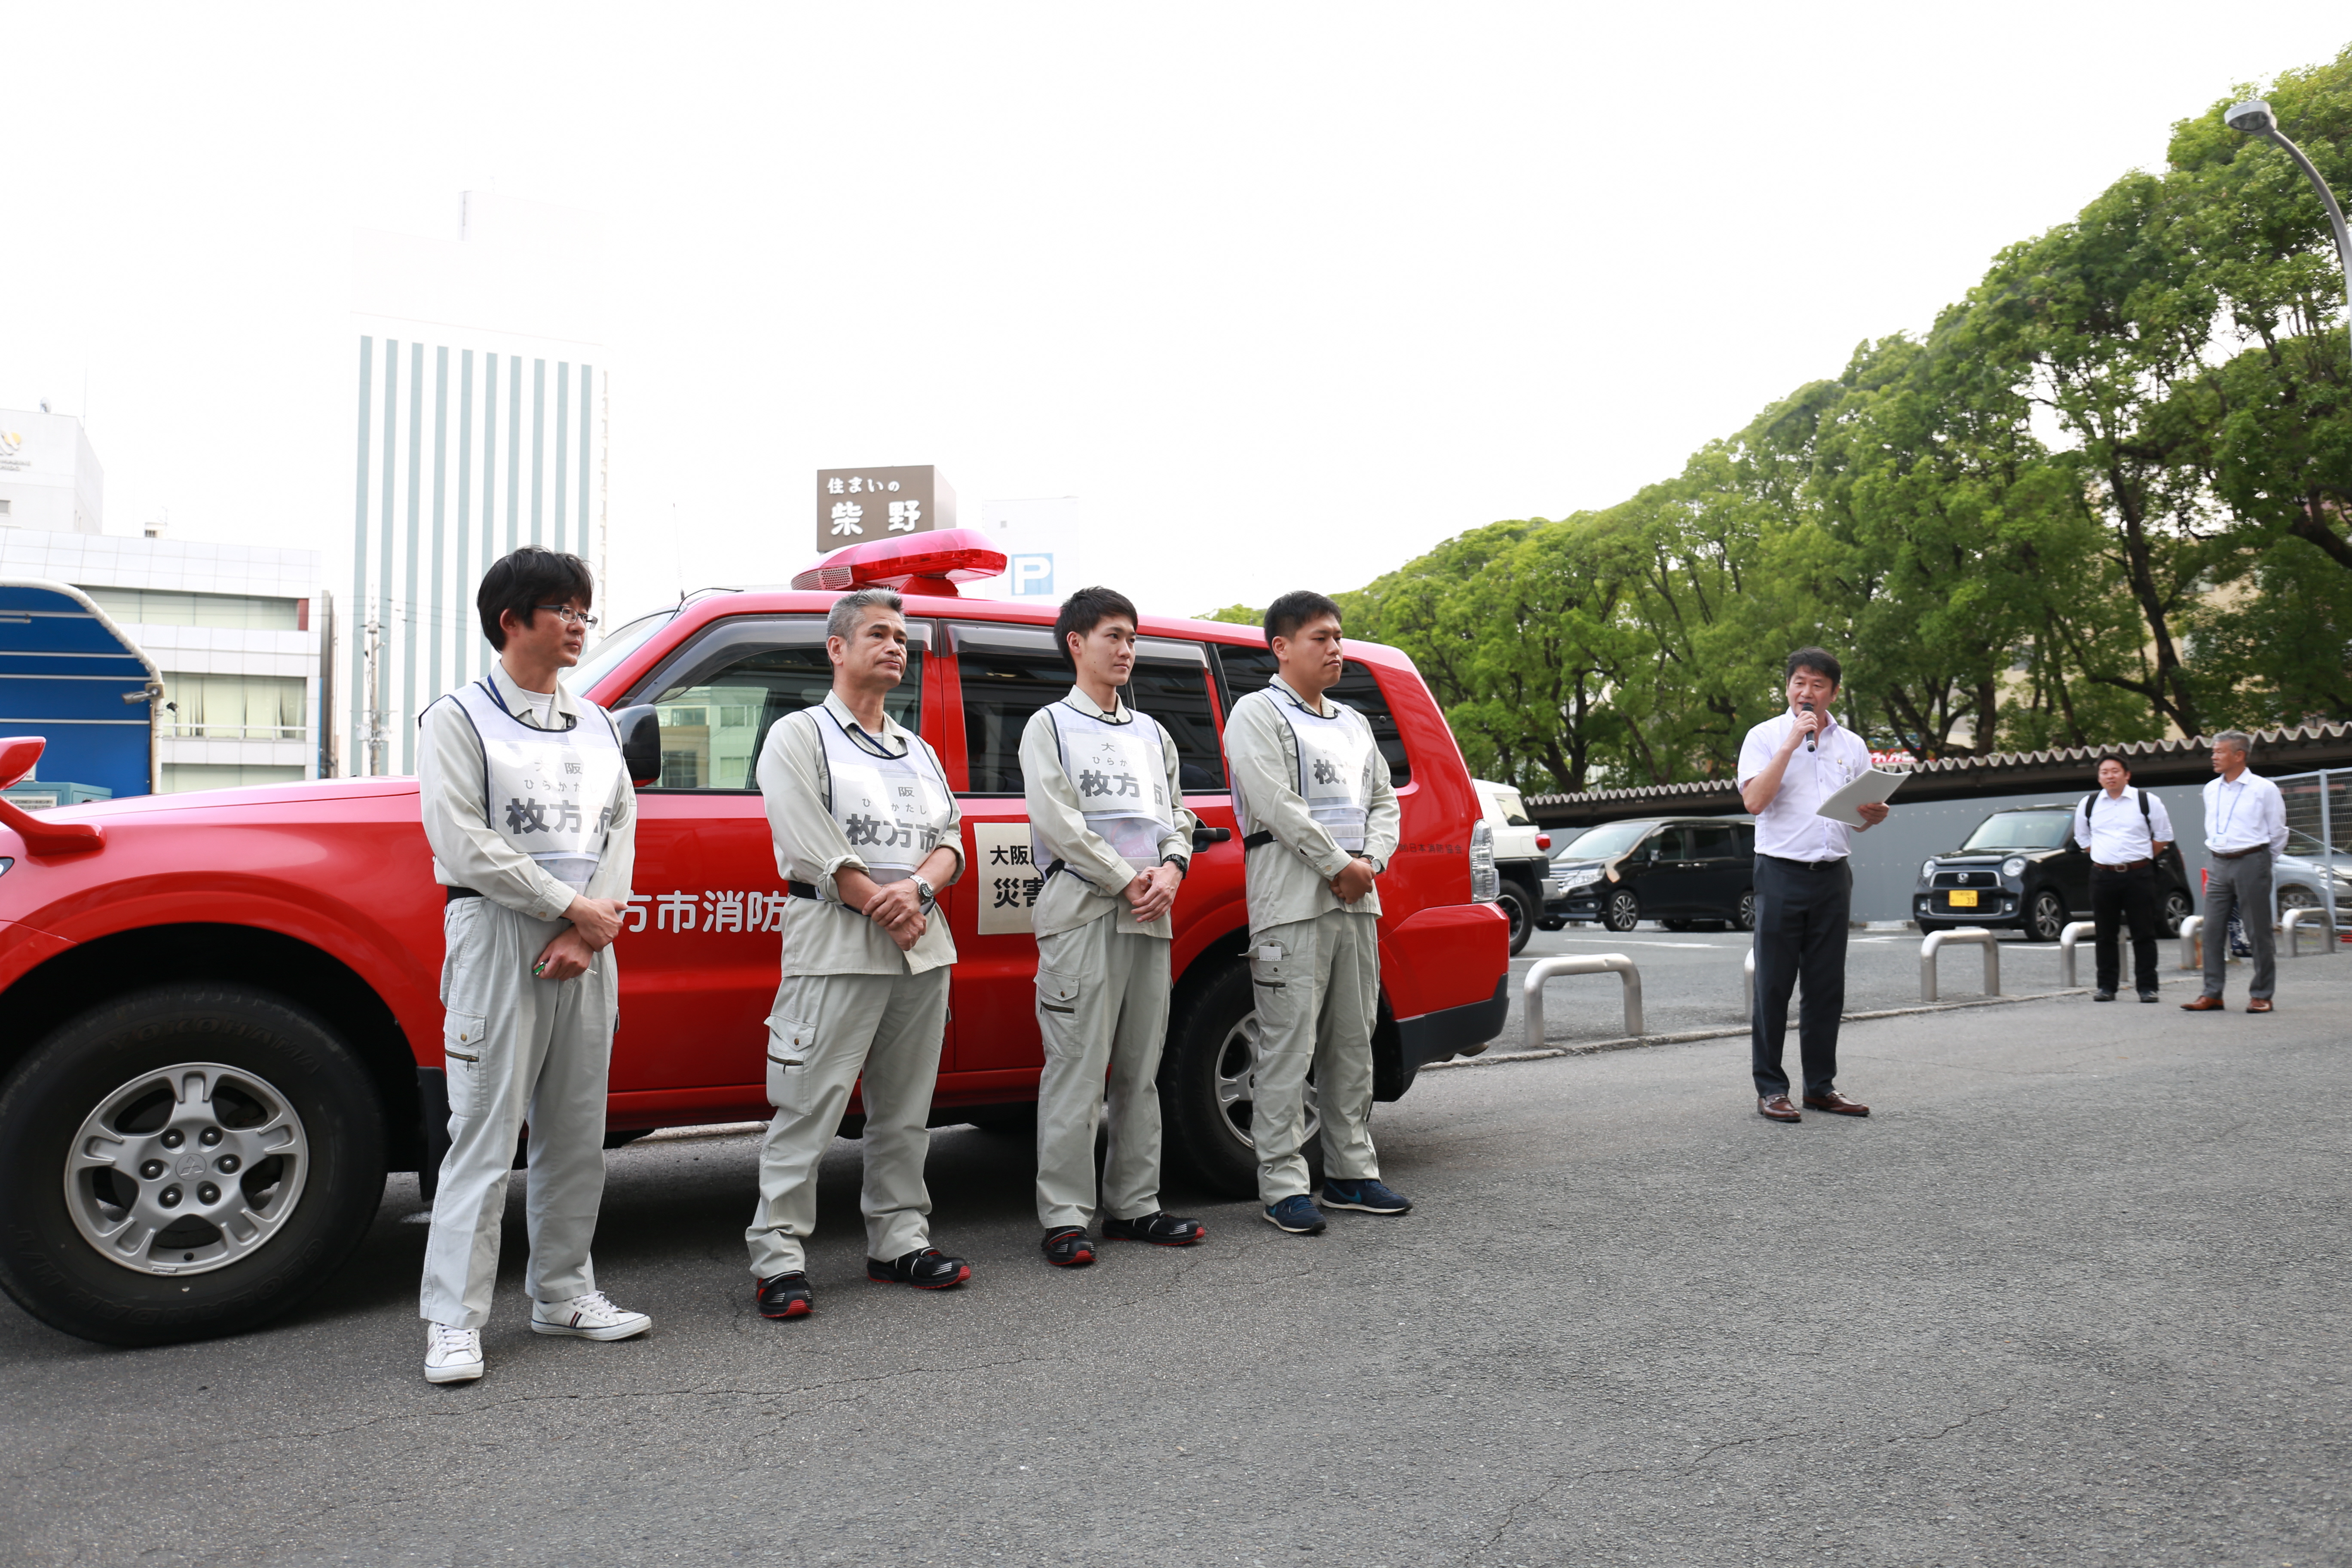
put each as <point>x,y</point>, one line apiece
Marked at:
<point>2127,830</point>
<point>1318,822</point>
<point>532,822</point>
<point>866,833</point>
<point>1106,823</point>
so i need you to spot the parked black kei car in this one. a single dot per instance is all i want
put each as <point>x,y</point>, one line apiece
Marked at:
<point>1681,872</point>
<point>2021,867</point>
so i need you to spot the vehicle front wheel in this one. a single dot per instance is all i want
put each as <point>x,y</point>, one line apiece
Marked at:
<point>1623,911</point>
<point>1746,918</point>
<point>1551,923</point>
<point>1208,1085</point>
<point>188,1161</point>
<point>2177,911</point>
<point>1520,906</point>
<point>2045,917</point>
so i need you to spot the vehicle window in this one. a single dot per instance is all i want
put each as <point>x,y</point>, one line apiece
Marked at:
<point>1672,844</point>
<point>1609,838</point>
<point>612,649</point>
<point>1515,810</point>
<point>1715,843</point>
<point>717,701</point>
<point>1008,673</point>
<point>2022,830</point>
<point>1248,670</point>
<point>1175,691</point>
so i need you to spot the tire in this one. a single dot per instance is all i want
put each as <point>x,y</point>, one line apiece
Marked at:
<point>90,1243</point>
<point>1551,923</point>
<point>1675,924</point>
<point>2177,911</point>
<point>2045,917</point>
<point>2297,897</point>
<point>1745,917</point>
<point>1622,911</point>
<point>1515,901</point>
<point>1205,1077</point>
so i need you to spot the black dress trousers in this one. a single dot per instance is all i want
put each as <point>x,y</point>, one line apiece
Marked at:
<point>1802,909</point>
<point>2117,897</point>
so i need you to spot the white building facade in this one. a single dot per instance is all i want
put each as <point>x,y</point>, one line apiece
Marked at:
<point>49,477</point>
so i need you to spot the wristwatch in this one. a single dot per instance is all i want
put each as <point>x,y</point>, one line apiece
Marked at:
<point>1184,866</point>
<point>929,894</point>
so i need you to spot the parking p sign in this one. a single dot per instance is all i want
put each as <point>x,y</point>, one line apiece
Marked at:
<point>1030,577</point>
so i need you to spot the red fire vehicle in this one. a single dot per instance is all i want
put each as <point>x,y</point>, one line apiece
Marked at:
<point>219,1024</point>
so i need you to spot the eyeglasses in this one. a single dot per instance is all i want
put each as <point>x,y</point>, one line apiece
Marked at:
<point>570,617</point>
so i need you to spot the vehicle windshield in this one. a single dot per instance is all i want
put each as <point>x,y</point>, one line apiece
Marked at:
<point>2022,830</point>
<point>1564,842</point>
<point>616,644</point>
<point>1611,839</point>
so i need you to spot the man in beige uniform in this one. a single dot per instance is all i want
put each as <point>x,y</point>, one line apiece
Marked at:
<point>1319,821</point>
<point>1107,824</point>
<point>866,833</point>
<point>527,808</point>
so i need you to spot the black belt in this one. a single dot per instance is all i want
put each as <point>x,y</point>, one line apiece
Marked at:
<point>457,893</point>
<point>2234,854</point>
<point>805,890</point>
<point>1802,865</point>
<point>1255,839</point>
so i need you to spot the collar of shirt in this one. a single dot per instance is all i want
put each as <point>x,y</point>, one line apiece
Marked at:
<point>1118,712</point>
<point>1322,709</point>
<point>1829,726</point>
<point>893,733</point>
<point>523,704</point>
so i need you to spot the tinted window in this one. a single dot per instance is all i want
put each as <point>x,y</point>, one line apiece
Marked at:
<point>1176,692</point>
<point>1010,672</point>
<point>1672,844</point>
<point>717,700</point>
<point>1716,843</point>
<point>1248,670</point>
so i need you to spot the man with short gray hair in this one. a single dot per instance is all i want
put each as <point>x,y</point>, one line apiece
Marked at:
<point>2245,832</point>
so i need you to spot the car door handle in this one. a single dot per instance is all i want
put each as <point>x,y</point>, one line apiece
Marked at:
<point>1204,836</point>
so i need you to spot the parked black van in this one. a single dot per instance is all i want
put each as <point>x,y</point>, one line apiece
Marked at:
<point>1681,872</point>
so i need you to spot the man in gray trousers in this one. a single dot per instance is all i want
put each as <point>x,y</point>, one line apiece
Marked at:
<point>2245,831</point>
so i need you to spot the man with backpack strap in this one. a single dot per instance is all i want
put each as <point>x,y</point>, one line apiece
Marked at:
<point>2125,830</point>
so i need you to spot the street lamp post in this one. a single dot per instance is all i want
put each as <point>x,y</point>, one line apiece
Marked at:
<point>2254,118</point>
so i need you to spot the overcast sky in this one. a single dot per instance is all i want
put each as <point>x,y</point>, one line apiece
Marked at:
<point>1286,292</point>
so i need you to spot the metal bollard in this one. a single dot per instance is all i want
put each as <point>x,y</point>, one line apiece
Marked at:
<point>2190,929</point>
<point>1615,964</point>
<point>1962,934</point>
<point>2292,926</point>
<point>2075,933</point>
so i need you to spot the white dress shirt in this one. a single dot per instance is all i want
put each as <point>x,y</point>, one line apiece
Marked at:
<point>1790,826</point>
<point>2245,814</point>
<point>2114,831</point>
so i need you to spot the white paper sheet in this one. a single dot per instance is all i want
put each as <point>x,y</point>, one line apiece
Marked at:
<point>1874,785</point>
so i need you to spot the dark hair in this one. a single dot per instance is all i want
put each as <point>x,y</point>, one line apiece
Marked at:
<point>1084,610</point>
<point>527,579</point>
<point>1292,611</point>
<point>1820,660</point>
<point>2103,758</point>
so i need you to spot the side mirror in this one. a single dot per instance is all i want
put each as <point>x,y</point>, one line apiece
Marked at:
<point>640,731</point>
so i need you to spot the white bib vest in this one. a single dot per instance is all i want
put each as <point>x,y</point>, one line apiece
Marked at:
<point>1334,769</point>
<point>893,810</point>
<point>548,793</point>
<point>1121,778</point>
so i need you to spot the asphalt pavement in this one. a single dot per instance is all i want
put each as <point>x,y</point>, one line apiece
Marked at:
<point>2075,1293</point>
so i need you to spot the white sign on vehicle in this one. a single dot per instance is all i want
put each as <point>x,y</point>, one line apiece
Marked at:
<point>1003,879</point>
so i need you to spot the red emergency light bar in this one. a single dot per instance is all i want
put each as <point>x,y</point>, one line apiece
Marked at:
<point>948,556</point>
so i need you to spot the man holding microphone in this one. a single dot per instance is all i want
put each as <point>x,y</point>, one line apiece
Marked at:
<point>1789,765</point>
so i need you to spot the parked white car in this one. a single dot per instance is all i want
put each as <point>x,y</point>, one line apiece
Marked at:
<point>1521,855</point>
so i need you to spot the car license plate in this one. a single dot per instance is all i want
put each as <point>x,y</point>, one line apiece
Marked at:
<point>1964,897</point>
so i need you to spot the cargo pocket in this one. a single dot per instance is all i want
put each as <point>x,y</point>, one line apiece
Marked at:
<point>461,1052</point>
<point>789,1044</point>
<point>1057,1012</point>
<point>1270,975</point>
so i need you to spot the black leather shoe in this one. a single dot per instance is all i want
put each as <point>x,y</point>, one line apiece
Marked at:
<point>928,1270</point>
<point>2102,995</point>
<point>1068,1248</point>
<point>786,1295</point>
<point>1160,1229</point>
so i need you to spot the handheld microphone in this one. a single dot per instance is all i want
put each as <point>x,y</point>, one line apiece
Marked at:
<point>1809,736</point>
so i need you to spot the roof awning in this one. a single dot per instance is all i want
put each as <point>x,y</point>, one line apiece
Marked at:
<point>69,673</point>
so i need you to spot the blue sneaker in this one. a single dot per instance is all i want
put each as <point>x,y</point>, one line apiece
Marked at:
<point>1368,1196</point>
<point>1298,1214</point>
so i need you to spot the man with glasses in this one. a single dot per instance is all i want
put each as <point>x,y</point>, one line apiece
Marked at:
<point>2245,832</point>
<point>532,822</point>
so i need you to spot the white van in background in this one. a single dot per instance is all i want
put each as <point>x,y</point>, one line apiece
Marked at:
<point>1521,855</point>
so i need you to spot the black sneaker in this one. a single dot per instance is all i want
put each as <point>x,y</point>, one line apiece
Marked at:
<point>2102,995</point>
<point>1296,1214</point>
<point>2148,996</point>
<point>928,1270</point>
<point>1068,1248</point>
<point>1367,1196</point>
<point>1160,1229</point>
<point>785,1295</point>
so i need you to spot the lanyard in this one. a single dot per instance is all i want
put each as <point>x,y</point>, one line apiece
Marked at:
<point>2236,791</point>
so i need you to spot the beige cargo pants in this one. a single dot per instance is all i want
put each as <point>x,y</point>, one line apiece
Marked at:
<point>1102,1008</point>
<point>1318,988</point>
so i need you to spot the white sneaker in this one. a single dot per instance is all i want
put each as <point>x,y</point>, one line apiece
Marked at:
<point>589,1317</point>
<point>452,1355</point>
